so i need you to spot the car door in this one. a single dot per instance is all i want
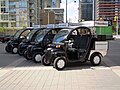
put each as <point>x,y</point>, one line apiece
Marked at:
<point>49,37</point>
<point>84,42</point>
<point>72,45</point>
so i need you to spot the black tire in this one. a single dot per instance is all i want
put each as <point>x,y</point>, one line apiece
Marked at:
<point>14,50</point>
<point>95,59</point>
<point>59,63</point>
<point>7,49</point>
<point>45,62</point>
<point>37,57</point>
<point>28,57</point>
<point>21,52</point>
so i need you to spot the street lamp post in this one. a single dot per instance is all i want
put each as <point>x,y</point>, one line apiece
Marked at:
<point>48,17</point>
<point>116,19</point>
<point>80,11</point>
<point>117,26</point>
<point>66,11</point>
<point>94,11</point>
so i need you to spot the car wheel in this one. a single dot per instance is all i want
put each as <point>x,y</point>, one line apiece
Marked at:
<point>7,49</point>
<point>20,52</point>
<point>59,63</point>
<point>14,50</point>
<point>45,62</point>
<point>95,59</point>
<point>37,57</point>
<point>27,56</point>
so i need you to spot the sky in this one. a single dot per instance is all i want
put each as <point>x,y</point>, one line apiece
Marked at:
<point>72,10</point>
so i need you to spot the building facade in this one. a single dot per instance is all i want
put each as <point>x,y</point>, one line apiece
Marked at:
<point>107,9</point>
<point>13,13</point>
<point>51,13</point>
<point>86,10</point>
<point>19,13</point>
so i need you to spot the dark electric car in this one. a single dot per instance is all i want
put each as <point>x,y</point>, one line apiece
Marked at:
<point>37,49</point>
<point>5,38</point>
<point>12,45</point>
<point>29,39</point>
<point>74,45</point>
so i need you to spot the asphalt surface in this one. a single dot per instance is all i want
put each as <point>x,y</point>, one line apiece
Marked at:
<point>6,58</point>
<point>114,52</point>
<point>113,56</point>
<point>16,73</point>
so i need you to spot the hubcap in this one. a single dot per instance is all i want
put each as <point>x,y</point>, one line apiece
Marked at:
<point>38,57</point>
<point>60,63</point>
<point>15,50</point>
<point>96,59</point>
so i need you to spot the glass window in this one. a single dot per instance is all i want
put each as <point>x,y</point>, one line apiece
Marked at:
<point>2,3</point>
<point>17,34</point>
<point>41,35</point>
<point>83,31</point>
<point>12,17</point>
<point>4,10</point>
<point>29,36</point>
<point>61,36</point>
<point>13,24</point>
<point>86,11</point>
<point>22,3</point>
<point>4,17</point>
<point>4,24</point>
<point>12,3</point>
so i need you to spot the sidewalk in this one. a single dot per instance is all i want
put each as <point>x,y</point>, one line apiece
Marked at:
<point>26,75</point>
<point>116,36</point>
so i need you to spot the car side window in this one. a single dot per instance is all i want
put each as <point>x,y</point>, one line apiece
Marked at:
<point>73,36</point>
<point>74,32</point>
<point>25,33</point>
<point>83,31</point>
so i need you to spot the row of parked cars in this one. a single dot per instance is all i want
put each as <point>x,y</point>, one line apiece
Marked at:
<point>58,46</point>
<point>5,38</point>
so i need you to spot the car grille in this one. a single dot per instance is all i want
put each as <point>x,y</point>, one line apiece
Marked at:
<point>48,55</point>
<point>29,49</point>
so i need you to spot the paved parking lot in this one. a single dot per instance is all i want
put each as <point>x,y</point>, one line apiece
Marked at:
<point>16,73</point>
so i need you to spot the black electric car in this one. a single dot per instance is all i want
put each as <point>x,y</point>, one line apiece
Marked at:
<point>74,45</point>
<point>12,45</point>
<point>37,49</point>
<point>29,39</point>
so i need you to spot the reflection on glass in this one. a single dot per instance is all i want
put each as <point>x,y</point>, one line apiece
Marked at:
<point>61,36</point>
<point>29,36</point>
<point>17,34</point>
<point>41,35</point>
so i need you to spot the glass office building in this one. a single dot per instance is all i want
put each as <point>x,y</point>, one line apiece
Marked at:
<point>87,9</point>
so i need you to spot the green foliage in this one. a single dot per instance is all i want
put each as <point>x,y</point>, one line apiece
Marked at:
<point>10,29</point>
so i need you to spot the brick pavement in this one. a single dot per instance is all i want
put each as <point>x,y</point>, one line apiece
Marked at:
<point>26,75</point>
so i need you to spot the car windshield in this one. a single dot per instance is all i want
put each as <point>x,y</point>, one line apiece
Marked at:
<point>61,36</point>
<point>29,36</point>
<point>17,34</point>
<point>41,35</point>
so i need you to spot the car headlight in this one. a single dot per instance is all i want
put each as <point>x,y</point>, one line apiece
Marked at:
<point>57,46</point>
<point>49,45</point>
<point>49,48</point>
